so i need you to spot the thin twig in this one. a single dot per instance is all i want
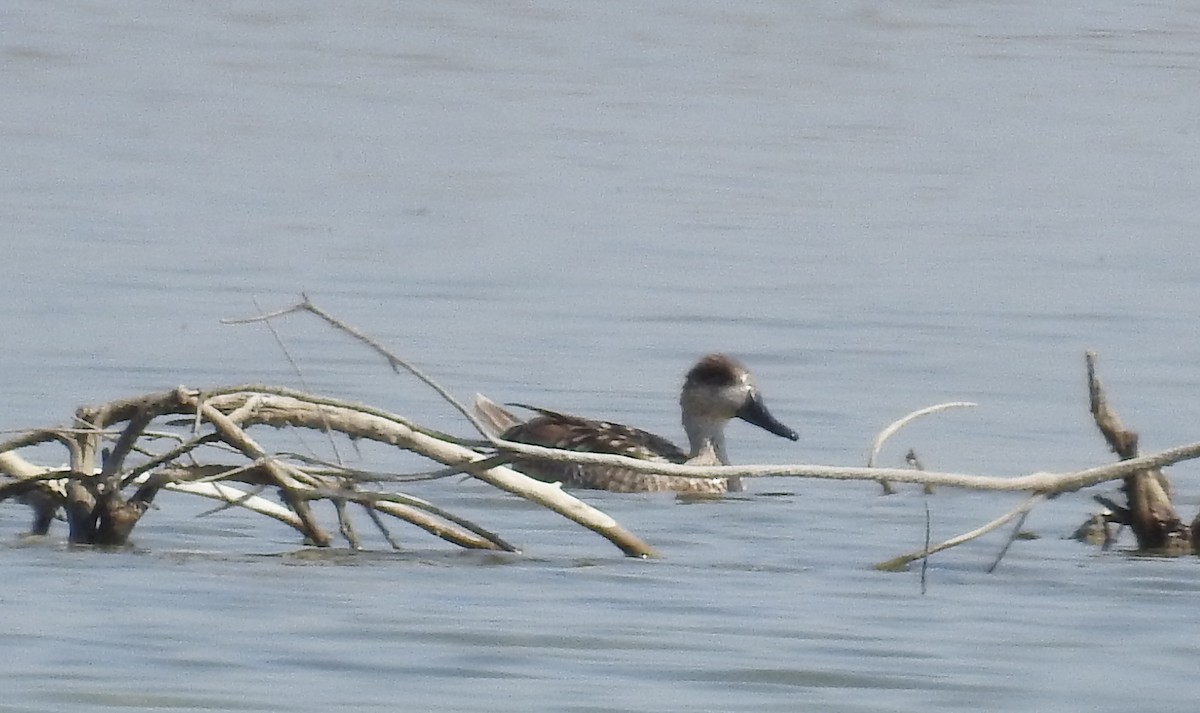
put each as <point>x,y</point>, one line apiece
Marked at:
<point>394,361</point>
<point>168,457</point>
<point>239,501</point>
<point>345,525</point>
<point>235,496</point>
<point>898,562</point>
<point>912,459</point>
<point>379,524</point>
<point>1016,530</point>
<point>361,475</point>
<point>299,374</point>
<point>925,559</point>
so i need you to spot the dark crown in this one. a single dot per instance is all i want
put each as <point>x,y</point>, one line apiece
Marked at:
<point>715,370</point>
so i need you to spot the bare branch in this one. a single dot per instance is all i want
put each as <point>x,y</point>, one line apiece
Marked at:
<point>894,427</point>
<point>1041,482</point>
<point>900,562</point>
<point>299,375</point>
<point>394,361</point>
<point>1012,537</point>
<point>285,477</point>
<point>345,524</point>
<point>1150,514</point>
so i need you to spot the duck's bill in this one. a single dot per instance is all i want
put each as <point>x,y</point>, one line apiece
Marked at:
<point>755,411</point>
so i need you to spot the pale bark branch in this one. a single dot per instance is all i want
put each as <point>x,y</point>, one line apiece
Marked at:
<point>271,407</point>
<point>1039,482</point>
<point>894,427</point>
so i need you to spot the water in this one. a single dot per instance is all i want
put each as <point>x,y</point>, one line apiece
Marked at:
<point>877,207</point>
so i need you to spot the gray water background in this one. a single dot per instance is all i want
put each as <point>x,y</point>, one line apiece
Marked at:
<point>877,206</point>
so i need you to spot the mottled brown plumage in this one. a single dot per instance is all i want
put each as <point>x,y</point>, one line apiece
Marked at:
<point>716,389</point>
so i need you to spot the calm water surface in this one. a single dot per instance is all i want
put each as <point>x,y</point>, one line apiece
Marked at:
<point>878,207</point>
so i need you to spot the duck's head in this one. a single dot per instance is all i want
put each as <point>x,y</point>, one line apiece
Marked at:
<point>719,388</point>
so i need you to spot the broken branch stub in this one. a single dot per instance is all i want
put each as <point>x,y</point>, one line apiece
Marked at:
<point>1150,513</point>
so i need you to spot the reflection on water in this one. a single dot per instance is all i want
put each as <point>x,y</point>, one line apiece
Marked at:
<point>877,208</point>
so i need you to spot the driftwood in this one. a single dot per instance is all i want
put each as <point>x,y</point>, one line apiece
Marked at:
<point>106,489</point>
<point>104,501</point>
<point>102,510</point>
<point>1149,512</point>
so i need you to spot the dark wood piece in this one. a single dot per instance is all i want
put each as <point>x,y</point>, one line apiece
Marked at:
<point>1149,513</point>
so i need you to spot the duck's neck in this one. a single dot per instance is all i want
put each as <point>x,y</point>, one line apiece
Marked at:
<point>707,441</point>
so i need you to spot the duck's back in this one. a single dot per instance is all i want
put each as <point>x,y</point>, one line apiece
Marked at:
<point>559,430</point>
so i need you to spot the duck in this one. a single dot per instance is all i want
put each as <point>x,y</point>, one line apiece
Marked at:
<point>717,389</point>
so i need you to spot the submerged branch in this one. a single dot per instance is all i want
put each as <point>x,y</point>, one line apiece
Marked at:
<point>903,560</point>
